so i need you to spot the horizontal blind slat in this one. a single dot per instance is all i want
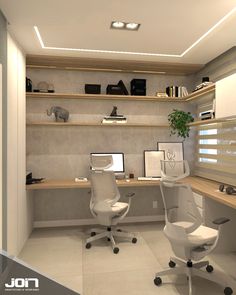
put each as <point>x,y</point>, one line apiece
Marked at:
<point>228,147</point>
<point>223,157</point>
<point>218,167</point>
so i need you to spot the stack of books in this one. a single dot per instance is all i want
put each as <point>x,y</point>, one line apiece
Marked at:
<point>114,119</point>
<point>176,91</point>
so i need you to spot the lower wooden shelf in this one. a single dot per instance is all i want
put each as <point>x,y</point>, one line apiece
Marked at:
<point>42,123</point>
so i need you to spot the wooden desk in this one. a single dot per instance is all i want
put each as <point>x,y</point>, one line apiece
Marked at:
<point>205,187</point>
<point>60,184</point>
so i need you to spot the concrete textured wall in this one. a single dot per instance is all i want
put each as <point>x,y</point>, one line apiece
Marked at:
<point>3,61</point>
<point>63,152</point>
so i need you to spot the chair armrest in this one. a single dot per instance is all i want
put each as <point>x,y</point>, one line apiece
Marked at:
<point>171,208</point>
<point>130,195</point>
<point>220,221</point>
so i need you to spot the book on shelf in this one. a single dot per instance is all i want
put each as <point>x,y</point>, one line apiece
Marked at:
<point>176,91</point>
<point>114,121</point>
<point>112,118</point>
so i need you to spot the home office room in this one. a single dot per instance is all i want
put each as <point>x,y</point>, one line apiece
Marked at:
<point>118,147</point>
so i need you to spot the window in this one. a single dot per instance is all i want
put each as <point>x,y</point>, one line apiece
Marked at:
<point>216,152</point>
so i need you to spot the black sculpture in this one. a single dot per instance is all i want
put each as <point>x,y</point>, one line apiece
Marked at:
<point>114,112</point>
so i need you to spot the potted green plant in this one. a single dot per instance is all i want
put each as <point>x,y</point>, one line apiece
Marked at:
<point>179,121</point>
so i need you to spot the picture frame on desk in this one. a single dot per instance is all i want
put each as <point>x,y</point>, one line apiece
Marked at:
<point>152,163</point>
<point>173,151</point>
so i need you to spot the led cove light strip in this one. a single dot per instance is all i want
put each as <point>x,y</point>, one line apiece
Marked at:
<point>136,53</point>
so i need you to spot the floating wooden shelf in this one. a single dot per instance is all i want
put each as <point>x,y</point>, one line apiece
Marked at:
<point>43,123</point>
<point>102,97</point>
<point>193,96</point>
<point>110,65</point>
<point>201,92</point>
<point>212,121</point>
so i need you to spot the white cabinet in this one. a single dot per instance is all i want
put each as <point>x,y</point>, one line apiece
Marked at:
<point>226,97</point>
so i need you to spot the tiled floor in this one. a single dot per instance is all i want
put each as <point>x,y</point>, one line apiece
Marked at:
<point>61,254</point>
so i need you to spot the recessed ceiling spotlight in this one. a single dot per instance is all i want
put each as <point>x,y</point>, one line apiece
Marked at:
<point>117,25</point>
<point>132,26</point>
<point>231,12</point>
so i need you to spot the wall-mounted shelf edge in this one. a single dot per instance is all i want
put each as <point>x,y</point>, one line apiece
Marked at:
<point>95,124</point>
<point>34,95</point>
<point>201,92</point>
<point>212,121</point>
<point>190,97</point>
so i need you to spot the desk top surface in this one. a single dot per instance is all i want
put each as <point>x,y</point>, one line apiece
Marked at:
<point>200,185</point>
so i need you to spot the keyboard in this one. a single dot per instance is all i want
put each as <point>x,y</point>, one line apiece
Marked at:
<point>149,178</point>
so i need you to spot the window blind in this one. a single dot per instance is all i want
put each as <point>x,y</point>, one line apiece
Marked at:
<point>216,152</point>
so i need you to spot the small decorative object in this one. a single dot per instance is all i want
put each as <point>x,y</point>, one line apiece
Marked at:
<point>152,164</point>
<point>114,117</point>
<point>118,89</point>
<point>51,88</point>
<point>114,112</point>
<point>60,113</point>
<point>43,86</point>
<point>179,121</point>
<point>138,87</point>
<point>205,82</point>
<point>131,175</point>
<point>28,85</point>
<point>161,94</point>
<point>92,88</point>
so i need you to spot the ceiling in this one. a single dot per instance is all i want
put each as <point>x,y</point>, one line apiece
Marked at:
<point>168,27</point>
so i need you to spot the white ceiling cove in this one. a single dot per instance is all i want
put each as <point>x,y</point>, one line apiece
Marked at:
<point>169,28</point>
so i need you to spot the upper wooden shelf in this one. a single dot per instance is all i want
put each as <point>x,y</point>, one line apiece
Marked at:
<point>200,93</point>
<point>110,65</point>
<point>102,97</point>
<point>45,123</point>
<point>193,96</point>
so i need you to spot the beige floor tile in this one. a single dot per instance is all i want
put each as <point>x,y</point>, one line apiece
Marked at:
<point>74,283</point>
<point>135,282</point>
<point>54,255</point>
<point>131,257</point>
<point>61,254</point>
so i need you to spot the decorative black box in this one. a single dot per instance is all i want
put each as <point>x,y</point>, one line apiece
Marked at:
<point>114,89</point>
<point>92,88</point>
<point>138,87</point>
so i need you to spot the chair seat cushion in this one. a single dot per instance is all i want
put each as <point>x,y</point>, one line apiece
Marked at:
<point>119,207</point>
<point>202,235</point>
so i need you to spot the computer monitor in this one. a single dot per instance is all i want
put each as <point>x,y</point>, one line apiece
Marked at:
<point>118,161</point>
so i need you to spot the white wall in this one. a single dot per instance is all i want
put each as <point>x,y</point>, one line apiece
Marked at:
<point>0,156</point>
<point>19,211</point>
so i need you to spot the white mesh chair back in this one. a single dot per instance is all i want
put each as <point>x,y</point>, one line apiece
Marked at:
<point>172,171</point>
<point>104,187</point>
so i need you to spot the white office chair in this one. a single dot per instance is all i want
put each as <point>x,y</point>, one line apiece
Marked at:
<point>104,203</point>
<point>189,239</point>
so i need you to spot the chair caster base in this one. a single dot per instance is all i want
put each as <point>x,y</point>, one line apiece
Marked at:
<point>209,268</point>
<point>134,240</point>
<point>157,281</point>
<point>172,264</point>
<point>228,291</point>
<point>116,250</point>
<point>88,246</point>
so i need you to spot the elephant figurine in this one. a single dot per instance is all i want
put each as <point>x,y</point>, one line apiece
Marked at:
<point>59,113</point>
